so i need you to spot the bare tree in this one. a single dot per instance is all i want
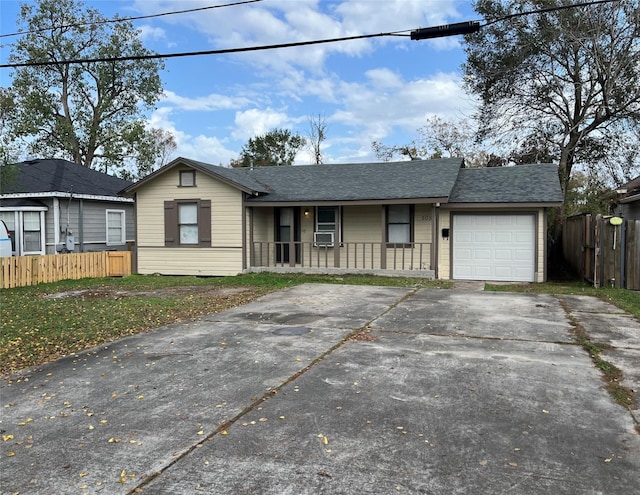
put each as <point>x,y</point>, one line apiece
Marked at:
<point>317,135</point>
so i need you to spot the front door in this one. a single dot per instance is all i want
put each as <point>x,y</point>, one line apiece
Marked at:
<point>287,223</point>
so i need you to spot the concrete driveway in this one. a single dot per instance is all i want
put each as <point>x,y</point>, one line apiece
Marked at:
<point>446,392</point>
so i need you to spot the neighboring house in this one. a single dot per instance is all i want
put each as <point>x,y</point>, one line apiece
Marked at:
<point>53,206</point>
<point>428,218</point>
<point>627,202</point>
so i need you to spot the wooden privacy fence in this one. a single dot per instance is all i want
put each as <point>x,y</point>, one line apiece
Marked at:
<point>602,253</point>
<point>19,271</point>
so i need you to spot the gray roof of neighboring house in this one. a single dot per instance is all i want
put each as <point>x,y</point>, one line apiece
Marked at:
<point>62,176</point>
<point>357,181</point>
<point>632,191</point>
<point>536,183</point>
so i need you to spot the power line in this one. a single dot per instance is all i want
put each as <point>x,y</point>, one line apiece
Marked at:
<point>549,9</point>
<point>152,56</point>
<point>124,19</point>
<point>474,26</point>
<point>432,32</point>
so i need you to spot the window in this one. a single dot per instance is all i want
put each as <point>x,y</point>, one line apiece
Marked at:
<point>116,227</point>
<point>32,231</point>
<point>187,178</point>
<point>400,224</point>
<point>9,218</point>
<point>327,218</point>
<point>187,223</point>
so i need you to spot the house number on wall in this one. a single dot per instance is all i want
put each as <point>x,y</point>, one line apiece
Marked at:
<point>425,218</point>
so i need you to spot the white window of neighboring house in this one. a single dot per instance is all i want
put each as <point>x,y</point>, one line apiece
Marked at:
<point>9,218</point>
<point>32,232</point>
<point>326,219</point>
<point>188,223</point>
<point>116,227</point>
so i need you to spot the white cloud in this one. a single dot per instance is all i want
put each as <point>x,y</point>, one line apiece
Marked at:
<point>207,103</point>
<point>208,149</point>
<point>151,33</point>
<point>384,78</point>
<point>406,104</point>
<point>392,15</point>
<point>287,21</point>
<point>381,89</point>
<point>255,122</point>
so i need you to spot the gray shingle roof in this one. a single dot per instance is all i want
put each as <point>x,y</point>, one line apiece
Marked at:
<point>536,183</point>
<point>440,179</point>
<point>357,181</point>
<point>53,175</point>
<point>230,174</point>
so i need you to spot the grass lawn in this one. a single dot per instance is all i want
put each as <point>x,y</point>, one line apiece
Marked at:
<point>37,328</point>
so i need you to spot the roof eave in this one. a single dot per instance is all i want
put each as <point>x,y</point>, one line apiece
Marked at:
<point>345,202</point>
<point>533,204</point>
<point>58,194</point>
<point>630,199</point>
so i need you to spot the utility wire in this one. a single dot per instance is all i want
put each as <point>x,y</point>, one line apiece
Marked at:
<point>152,56</point>
<point>548,9</point>
<point>124,19</point>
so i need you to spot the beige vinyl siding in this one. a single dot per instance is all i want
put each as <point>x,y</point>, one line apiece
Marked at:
<point>541,247</point>
<point>190,261</point>
<point>225,255</point>
<point>444,246</point>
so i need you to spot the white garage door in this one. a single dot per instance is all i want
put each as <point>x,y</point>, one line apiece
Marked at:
<point>494,247</point>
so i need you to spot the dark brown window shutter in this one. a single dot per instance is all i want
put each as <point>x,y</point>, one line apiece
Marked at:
<point>204,223</point>
<point>170,224</point>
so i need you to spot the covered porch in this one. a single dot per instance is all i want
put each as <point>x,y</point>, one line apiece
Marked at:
<point>391,239</point>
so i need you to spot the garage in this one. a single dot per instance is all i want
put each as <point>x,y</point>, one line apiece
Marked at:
<point>495,247</point>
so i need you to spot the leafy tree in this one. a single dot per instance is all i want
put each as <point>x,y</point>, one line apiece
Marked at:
<point>157,147</point>
<point>89,112</point>
<point>8,152</point>
<point>587,193</point>
<point>564,82</point>
<point>276,147</point>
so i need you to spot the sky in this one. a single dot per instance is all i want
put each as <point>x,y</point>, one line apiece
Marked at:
<point>380,89</point>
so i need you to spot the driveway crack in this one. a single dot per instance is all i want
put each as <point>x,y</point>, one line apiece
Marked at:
<point>266,396</point>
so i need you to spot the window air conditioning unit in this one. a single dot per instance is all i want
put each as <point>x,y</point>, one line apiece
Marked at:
<point>323,239</point>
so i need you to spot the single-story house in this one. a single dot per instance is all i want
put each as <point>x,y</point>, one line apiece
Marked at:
<point>428,218</point>
<point>627,200</point>
<point>52,206</point>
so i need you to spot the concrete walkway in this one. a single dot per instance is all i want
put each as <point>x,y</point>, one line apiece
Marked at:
<point>336,389</point>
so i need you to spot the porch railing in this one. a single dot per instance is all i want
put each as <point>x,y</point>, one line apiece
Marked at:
<point>348,255</point>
